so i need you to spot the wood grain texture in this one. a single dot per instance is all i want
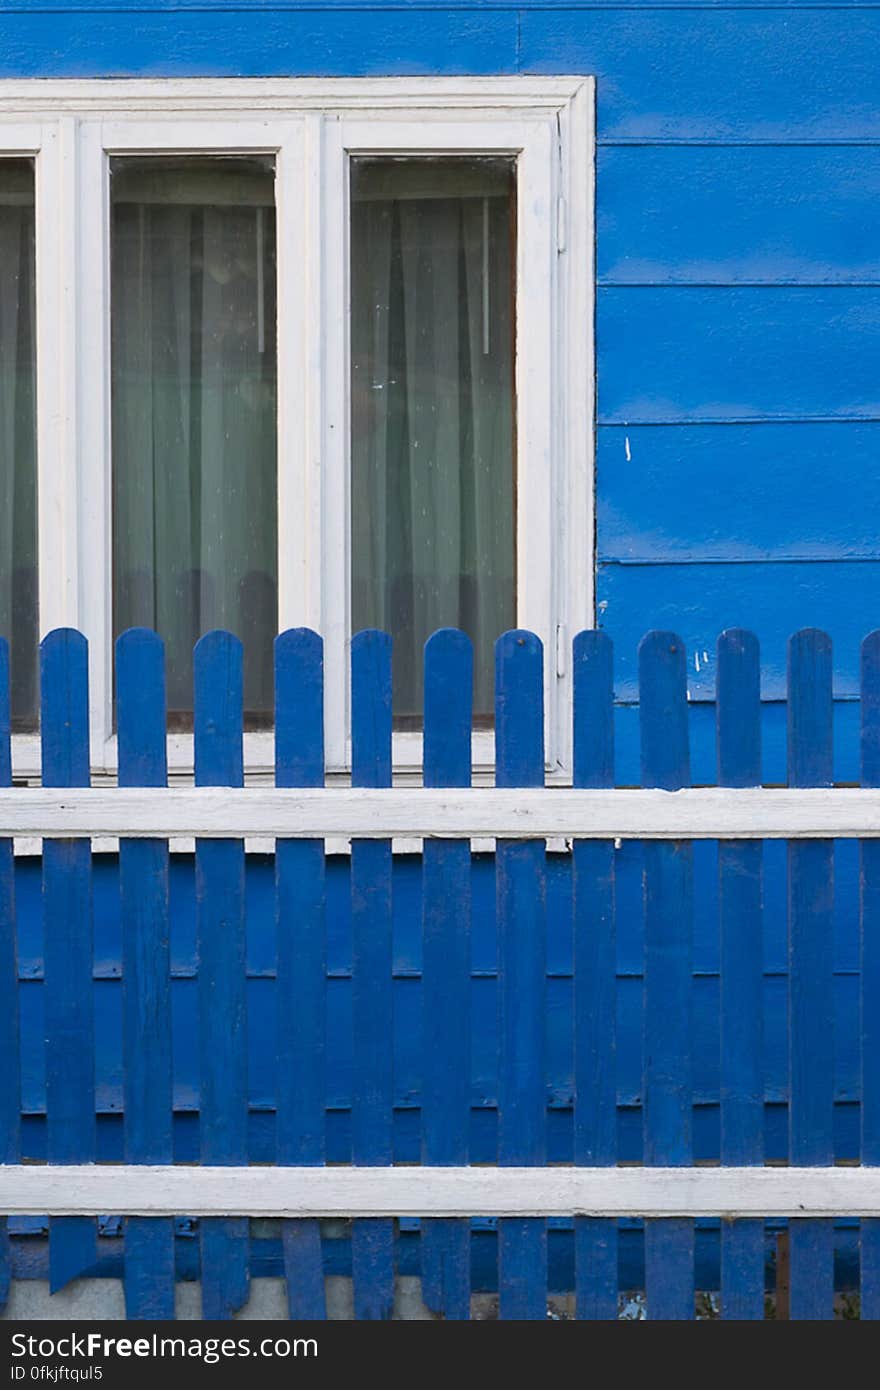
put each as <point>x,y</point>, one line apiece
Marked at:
<point>301,961</point>
<point>595,974</point>
<point>447,814</point>
<point>446,968</point>
<point>811,964</point>
<point>219,867</point>
<point>146,969</point>
<point>521,909</point>
<point>67,932</point>
<point>372,1242</point>
<point>668,906</point>
<point>800,1194</point>
<point>740,870</point>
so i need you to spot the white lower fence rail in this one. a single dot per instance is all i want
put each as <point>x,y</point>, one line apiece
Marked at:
<point>693,813</point>
<point>418,1191</point>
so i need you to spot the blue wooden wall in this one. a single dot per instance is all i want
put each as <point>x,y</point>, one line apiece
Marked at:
<point>738,261</point>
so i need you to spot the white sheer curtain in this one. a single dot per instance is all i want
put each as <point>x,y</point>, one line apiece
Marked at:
<point>18,487</point>
<point>194,384</point>
<point>432,516</point>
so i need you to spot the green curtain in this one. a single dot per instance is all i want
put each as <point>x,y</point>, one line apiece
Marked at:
<point>433,506</point>
<point>18,479</point>
<point>194,412</point>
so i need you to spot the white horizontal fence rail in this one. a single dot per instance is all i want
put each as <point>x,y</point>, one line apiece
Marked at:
<point>133,1190</point>
<point>698,813</point>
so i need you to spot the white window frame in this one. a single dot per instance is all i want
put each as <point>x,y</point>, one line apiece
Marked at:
<point>312,128</point>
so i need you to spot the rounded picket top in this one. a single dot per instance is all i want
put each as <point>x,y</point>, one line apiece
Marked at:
<point>809,655</point>
<point>136,638</point>
<point>451,640</point>
<point>738,706</point>
<point>810,709</point>
<point>738,642</point>
<point>658,644</point>
<point>140,708</point>
<point>299,708</point>
<point>449,700</point>
<point>593,715</point>
<point>301,643</point>
<point>519,709</point>
<point>64,708</point>
<point>663,713</point>
<point>218,719</point>
<point>217,641</point>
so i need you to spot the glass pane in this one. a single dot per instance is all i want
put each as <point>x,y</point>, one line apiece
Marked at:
<point>194,384</point>
<point>18,437</point>
<point>432,429</point>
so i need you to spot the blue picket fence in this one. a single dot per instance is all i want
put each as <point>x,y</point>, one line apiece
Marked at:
<point>376,1247</point>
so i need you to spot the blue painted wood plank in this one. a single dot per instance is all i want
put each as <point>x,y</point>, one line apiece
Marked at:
<point>446,967</point>
<point>869,871</point>
<point>776,600</point>
<point>723,74</point>
<point>141,6</point>
<point>682,354</point>
<point>219,868</point>
<point>771,215</point>
<point>230,44</point>
<point>668,907</point>
<point>372,1242</point>
<point>658,488</point>
<point>301,966</point>
<point>811,1016</point>
<point>146,969</point>
<point>595,970</point>
<point>742,970</point>
<point>521,910</point>
<point>10,1090</point>
<point>67,933</point>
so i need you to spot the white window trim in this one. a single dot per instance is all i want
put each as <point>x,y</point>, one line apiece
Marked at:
<point>312,127</point>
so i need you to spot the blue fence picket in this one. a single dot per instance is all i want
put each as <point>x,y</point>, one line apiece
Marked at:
<point>446,967</point>
<point>811,966</point>
<point>595,974</point>
<point>521,913</point>
<point>869,855</point>
<point>146,978</point>
<point>67,929</point>
<point>742,969</point>
<point>668,887</point>
<point>372,1240</point>
<point>10,1099</point>
<point>302,972</point>
<point>223,1103</point>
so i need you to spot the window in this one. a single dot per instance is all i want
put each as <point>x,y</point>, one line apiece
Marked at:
<point>193,388</point>
<point>296,352</point>
<point>433,409</point>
